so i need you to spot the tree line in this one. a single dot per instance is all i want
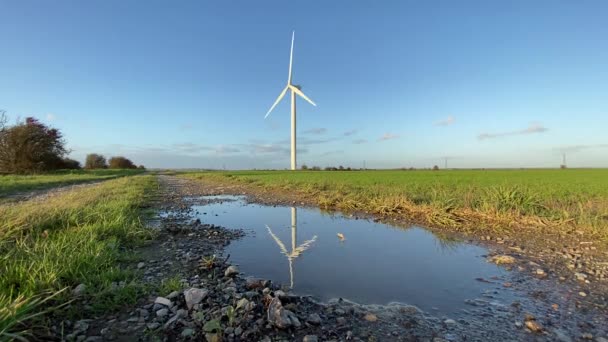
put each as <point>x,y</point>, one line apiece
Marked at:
<point>30,146</point>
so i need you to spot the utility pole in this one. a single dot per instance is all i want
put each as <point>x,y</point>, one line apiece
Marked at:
<point>363,164</point>
<point>446,163</point>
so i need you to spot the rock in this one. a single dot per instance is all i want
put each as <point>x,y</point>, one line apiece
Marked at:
<point>254,283</point>
<point>582,294</point>
<point>163,301</point>
<point>580,276</point>
<point>340,312</point>
<point>213,337</point>
<point>153,326</point>
<point>194,296</point>
<point>587,336</point>
<point>502,259</point>
<point>79,290</point>
<point>231,271</point>
<point>540,272</point>
<point>141,265</point>
<point>93,339</point>
<point>310,338</point>
<point>179,314</point>
<point>242,303</point>
<point>173,295</point>
<point>280,294</point>
<point>341,320</point>
<point>188,332</point>
<point>81,327</point>
<point>601,339</point>
<point>238,331</point>
<point>534,326</point>
<point>314,319</point>
<point>280,317</point>
<point>370,317</point>
<point>449,321</point>
<point>162,312</point>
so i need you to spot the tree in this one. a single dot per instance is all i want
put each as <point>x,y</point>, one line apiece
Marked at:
<point>29,146</point>
<point>70,164</point>
<point>95,161</point>
<point>121,163</point>
<point>435,168</point>
<point>304,167</point>
<point>141,167</point>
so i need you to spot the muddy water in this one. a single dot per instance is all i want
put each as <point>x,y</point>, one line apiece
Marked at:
<point>373,263</point>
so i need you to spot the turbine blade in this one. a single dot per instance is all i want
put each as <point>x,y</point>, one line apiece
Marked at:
<point>301,94</point>
<point>277,101</point>
<point>293,36</point>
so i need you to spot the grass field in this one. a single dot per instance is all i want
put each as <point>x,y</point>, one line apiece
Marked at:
<point>79,237</point>
<point>10,184</point>
<point>464,199</point>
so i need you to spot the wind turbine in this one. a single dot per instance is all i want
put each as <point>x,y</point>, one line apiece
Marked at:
<point>295,89</point>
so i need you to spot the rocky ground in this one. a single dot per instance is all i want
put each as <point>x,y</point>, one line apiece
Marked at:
<point>216,303</point>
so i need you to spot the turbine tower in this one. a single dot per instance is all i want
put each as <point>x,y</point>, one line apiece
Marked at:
<point>295,89</point>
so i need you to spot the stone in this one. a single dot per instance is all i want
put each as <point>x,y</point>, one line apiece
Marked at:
<point>540,272</point>
<point>93,339</point>
<point>314,319</point>
<point>173,295</point>
<point>163,301</point>
<point>188,332</point>
<point>339,312</point>
<point>502,259</point>
<point>280,294</point>
<point>449,321</point>
<point>280,317</point>
<point>580,276</point>
<point>587,336</point>
<point>141,265</point>
<point>194,296</point>
<point>238,331</point>
<point>231,271</point>
<point>310,338</point>
<point>162,312</point>
<point>370,317</point>
<point>242,303</point>
<point>153,326</point>
<point>582,294</point>
<point>79,290</point>
<point>601,339</point>
<point>255,283</point>
<point>533,326</point>
<point>341,320</point>
<point>213,337</point>
<point>81,326</point>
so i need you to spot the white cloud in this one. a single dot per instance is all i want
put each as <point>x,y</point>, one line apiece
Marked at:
<point>317,131</point>
<point>533,128</point>
<point>388,136</point>
<point>51,117</point>
<point>445,122</point>
<point>349,133</point>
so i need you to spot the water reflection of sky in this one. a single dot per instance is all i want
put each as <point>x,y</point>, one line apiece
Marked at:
<point>376,263</point>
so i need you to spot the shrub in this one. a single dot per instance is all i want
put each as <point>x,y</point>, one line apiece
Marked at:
<point>121,163</point>
<point>70,164</point>
<point>29,146</point>
<point>95,161</point>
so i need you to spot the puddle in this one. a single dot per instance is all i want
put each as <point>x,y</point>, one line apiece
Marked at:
<point>374,263</point>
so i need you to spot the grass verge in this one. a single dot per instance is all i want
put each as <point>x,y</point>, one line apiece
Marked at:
<point>12,184</point>
<point>78,237</point>
<point>509,201</point>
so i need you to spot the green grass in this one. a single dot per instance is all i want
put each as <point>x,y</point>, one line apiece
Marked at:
<point>464,199</point>
<point>76,237</point>
<point>11,184</point>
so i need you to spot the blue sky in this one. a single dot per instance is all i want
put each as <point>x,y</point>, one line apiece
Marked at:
<point>397,83</point>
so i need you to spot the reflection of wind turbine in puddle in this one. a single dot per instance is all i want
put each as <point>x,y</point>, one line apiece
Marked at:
<point>295,251</point>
